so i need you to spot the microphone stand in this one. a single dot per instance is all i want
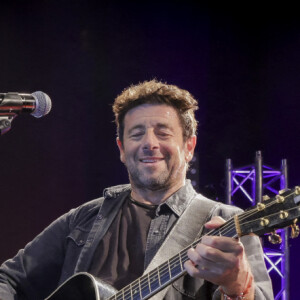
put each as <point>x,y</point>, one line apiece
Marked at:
<point>10,105</point>
<point>5,124</point>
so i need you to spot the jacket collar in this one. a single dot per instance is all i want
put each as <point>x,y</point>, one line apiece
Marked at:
<point>180,199</point>
<point>115,191</point>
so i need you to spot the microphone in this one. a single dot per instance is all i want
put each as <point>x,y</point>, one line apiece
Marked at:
<point>38,104</point>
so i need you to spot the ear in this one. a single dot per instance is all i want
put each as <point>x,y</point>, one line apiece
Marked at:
<point>190,145</point>
<point>122,154</point>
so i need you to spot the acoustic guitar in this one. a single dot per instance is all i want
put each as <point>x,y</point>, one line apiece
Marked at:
<point>281,211</point>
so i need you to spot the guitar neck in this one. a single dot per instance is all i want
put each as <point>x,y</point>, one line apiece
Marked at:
<point>160,277</point>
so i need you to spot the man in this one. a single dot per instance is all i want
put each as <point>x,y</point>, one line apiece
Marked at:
<point>115,238</point>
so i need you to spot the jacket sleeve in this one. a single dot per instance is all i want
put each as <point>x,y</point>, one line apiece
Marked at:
<point>22,276</point>
<point>255,256</point>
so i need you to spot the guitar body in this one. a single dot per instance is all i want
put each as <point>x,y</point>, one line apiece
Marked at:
<point>82,286</point>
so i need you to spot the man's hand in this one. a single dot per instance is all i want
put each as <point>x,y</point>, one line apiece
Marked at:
<point>222,261</point>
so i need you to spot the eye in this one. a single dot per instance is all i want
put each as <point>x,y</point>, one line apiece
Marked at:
<point>136,135</point>
<point>163,134</point>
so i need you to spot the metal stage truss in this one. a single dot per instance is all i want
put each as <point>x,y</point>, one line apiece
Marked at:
<point>244,188</point>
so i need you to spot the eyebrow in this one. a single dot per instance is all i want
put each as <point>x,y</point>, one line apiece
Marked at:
<point>163,125</point>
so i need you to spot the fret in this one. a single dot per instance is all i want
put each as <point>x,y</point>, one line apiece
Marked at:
<point>180,261</point>
<point>169,267</point>
<point>130,289</point>
<point>149,282</point>
<point>175,267</point>
<point>218,232</point>
<point>145,286</point>
<point>184,257</point>
<point>140,290</point>
<point>126,292</point>
<point>135,291</point>
<point>159,276</point>
<point>154,281</point>
<point>228,230</point>
<point>117,296</point>
<point>165,276</point>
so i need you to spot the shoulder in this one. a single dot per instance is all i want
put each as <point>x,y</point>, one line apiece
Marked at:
<point>226,211</point>
<point>88,208</point>
<point>218,208</point>
<point>88,211</point>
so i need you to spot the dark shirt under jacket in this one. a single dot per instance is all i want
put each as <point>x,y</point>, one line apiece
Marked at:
<point>119,257</point>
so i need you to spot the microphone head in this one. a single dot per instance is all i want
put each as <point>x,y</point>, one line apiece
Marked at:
<point>42,104</point>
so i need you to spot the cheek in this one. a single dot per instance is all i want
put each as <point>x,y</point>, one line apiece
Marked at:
<point>175,153</point>
<point>182,155</point>
<point>130,152</point>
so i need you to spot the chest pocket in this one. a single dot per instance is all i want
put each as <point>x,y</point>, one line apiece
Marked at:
<point>78,236</point>
<point>74,245</point>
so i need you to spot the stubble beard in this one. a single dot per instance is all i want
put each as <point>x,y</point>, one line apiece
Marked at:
<point>153,183</point>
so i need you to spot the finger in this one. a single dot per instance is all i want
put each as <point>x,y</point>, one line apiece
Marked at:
<point>205,255</point>
<point>197,260</point>
<point>215,222</point>
<point>194,256</point>
<point>223,243</point>
<point>203,252</point>
<point>191,269</point>
<point>197,271</point>
<point>204,258</point>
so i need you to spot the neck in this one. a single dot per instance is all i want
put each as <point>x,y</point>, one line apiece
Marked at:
<point>155,197</point>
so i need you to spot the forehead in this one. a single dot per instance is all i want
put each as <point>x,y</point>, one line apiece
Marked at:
<point>151,114</point>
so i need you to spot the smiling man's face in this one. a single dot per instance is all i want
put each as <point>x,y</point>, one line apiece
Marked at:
<point>153,147</point>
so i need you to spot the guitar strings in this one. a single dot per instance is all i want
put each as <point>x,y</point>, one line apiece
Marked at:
<point>143,284</point>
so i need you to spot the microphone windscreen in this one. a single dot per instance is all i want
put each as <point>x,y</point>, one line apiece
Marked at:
<point>43,104</point>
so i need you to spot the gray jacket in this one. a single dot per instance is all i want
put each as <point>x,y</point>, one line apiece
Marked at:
<point>66,247</point>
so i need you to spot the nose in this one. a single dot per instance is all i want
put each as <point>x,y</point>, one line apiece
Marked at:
<point>150,141</point>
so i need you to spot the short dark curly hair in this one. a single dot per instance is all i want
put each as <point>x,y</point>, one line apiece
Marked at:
<point>155,92</point>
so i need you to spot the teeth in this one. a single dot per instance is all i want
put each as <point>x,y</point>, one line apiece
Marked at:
<point>148,160</point>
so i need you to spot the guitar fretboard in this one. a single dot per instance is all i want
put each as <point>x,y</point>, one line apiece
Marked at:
<point>151,283</point>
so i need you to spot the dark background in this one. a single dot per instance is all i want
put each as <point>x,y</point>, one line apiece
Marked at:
<point>241,63</point>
